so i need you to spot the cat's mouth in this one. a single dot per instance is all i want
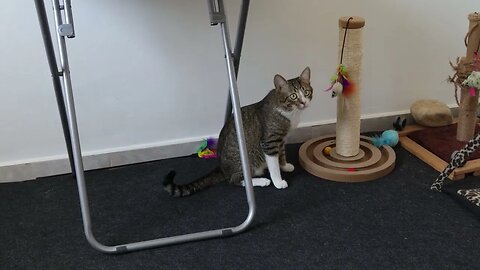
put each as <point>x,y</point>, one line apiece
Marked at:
<point>302,106</point>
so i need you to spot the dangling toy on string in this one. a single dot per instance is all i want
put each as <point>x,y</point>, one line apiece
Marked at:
<point>473,80</point>
<point>467,72</point>
<point>340,83</point>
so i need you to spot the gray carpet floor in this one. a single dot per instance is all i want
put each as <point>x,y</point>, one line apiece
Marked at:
<point>392,223</point>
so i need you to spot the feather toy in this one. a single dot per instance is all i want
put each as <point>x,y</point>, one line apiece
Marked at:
<point>389,137</point>
<point>340,84</point>
<point>207,149</point>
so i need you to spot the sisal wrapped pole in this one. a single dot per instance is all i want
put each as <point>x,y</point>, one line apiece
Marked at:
<point>348,108</point>
<point>467,115</point>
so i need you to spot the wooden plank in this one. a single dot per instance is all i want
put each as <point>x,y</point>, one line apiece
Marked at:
<point>455,176</point>
<point>470,166</point>
<point>409,129</point>
<point>425,155</point>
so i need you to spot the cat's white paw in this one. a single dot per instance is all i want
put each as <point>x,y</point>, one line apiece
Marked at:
<point>258,182</point>
<point>261,182</point>
<point>288,167</point>
<point>280,184</point>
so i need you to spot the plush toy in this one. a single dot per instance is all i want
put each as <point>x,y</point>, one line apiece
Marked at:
<point>473,81</point>
<point>389,137</point>
<point>340,84</point>
<point>207,149</point>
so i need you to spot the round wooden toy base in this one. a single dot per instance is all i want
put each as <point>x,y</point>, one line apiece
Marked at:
<point>369,164</point>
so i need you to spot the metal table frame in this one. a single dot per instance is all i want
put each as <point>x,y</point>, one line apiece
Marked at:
<point>65,101</point>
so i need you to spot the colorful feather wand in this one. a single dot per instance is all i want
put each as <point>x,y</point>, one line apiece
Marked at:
<point>340,84</point>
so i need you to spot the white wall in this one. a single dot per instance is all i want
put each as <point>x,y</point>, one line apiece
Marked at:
<point>153,72</point>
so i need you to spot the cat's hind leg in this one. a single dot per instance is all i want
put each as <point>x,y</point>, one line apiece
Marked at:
<point>284,165</point>
<point>237,178</point>
<point>258,182</point>
<point>287,167</point>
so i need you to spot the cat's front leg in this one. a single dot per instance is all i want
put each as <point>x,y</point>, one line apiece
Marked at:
<point>274,169</point>
<point>284,165</point>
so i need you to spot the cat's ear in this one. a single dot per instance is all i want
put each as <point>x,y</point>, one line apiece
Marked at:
<point>279,82</point>
<point>305,76</point>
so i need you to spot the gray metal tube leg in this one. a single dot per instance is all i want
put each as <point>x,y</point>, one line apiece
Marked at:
<point>52,63</point>
<point>237,117</point>
<point>66,30</point>
<point>237,51</point>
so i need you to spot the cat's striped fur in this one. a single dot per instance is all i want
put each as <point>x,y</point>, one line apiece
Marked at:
<point>266,124</point>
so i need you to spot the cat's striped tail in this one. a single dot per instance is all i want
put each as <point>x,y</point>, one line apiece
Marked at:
<point>214,177</point>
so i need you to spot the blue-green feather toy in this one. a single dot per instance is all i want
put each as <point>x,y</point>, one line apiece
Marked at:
<point>389,137</point>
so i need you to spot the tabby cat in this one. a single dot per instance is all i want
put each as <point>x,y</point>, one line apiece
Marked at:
<point>266,124</point>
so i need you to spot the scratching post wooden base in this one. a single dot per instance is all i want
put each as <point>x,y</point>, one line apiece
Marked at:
<point>369,164</point>
<point>352,158</point>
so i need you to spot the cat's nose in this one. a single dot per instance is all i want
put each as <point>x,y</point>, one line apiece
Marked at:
<point>303,103</point>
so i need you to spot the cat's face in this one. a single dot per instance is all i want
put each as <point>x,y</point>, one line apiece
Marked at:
<point>294,94</point>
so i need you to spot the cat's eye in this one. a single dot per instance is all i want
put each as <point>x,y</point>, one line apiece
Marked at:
<point>293,96</point>
<point>308,93</point>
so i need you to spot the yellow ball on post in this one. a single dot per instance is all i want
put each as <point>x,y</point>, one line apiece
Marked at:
<point>327,150</point>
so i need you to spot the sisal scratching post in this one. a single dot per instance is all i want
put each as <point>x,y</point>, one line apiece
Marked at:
<point>467,116</point>
<point>348,107</point>
<point>347,157</point>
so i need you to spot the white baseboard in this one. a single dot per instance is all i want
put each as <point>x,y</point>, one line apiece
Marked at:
<point>48,166</point>
<point>31,169</point>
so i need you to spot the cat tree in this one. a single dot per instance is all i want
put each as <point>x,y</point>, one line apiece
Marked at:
<point>350,156</point>
<point>467,115</point>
